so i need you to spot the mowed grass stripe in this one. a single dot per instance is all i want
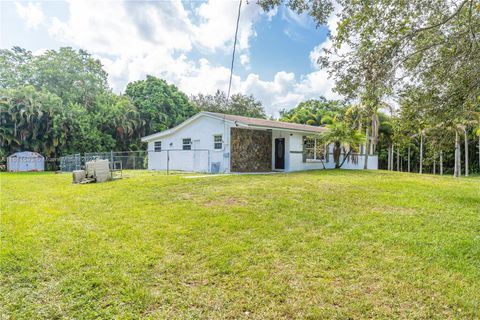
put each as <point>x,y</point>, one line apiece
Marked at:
<point>320,244</point>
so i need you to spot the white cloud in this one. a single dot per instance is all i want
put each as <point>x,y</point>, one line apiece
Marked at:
<point>40,51</point>
<point>125,28</point>
<point>205,78</point>
<point>133,39</point>
<point>32,14</point>
<point>218,21</point>
<point>290,16</point>
<point>285,91</point>
<point>272,13</point>
<point>245,60</point>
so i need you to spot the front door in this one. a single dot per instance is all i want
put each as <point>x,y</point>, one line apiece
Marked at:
<point>280,153</point>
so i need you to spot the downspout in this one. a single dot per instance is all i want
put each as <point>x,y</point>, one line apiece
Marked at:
<point>226,168</point>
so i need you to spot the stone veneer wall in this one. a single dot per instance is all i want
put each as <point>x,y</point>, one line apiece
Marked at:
<point>251,150</point>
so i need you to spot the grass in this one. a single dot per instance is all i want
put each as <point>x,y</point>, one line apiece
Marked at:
<point>322,244</point>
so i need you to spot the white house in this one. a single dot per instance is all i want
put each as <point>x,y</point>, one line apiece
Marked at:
<point>214,142</point>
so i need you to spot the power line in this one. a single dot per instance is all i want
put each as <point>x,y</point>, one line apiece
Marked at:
<point>234,46</point>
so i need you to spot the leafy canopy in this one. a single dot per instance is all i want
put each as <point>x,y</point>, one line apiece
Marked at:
<point>344,138</point>
<point>238,104</point>
<point>160,105</point>
<point>312,112</point>
<point>59,102</point>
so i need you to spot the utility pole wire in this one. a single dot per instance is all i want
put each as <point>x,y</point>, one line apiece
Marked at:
<point>234,46</point>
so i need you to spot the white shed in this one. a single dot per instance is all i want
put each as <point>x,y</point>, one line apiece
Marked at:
<point>25,161</point>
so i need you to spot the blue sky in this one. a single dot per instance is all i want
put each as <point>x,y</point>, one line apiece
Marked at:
<point>186,43</point>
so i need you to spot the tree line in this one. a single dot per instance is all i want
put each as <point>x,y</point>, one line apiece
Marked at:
<point>423,54</point>
<point>60,103</point>
<point>404,139</point>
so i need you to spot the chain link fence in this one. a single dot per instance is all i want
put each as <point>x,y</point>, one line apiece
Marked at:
<point>192,160</point>
<point>71,162</point>
<point>132,160</point>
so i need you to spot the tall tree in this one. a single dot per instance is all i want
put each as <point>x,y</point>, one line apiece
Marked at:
<point>15,67</point>
<point>313,112</point>
<point>380,47</point>
<point>74,76</point>
<point>238,104</point>
<point>27,121</point>
<point>160,105</point>
<point>245,105</point>
<point>59,102</point>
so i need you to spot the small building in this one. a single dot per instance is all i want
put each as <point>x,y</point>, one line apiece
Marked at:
<point>25,161</point>
<point>221,143</point>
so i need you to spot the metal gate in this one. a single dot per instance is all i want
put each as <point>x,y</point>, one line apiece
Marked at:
<point>71,162</point>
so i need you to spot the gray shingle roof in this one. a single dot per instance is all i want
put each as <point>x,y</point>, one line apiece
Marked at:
<point>245,121</point>
<point>255,122</point>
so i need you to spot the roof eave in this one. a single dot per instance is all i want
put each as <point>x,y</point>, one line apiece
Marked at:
<point>168,132</point>
<point>285,129</point>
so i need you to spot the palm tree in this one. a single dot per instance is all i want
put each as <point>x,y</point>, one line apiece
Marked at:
<point>343,138</point>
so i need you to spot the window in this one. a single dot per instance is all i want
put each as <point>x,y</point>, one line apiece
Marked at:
<point>314,149</point>
<point>217,142</point>
<point>157,146</point>
<point>187,144</point>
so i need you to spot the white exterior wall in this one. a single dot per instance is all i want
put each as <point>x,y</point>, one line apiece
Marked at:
<point>201,131</point>
<point>296,158</point>
<point>372,163</point>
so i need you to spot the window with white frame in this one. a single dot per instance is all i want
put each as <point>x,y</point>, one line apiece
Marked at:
<point>187,144</point>
<point>314,149</point>
<point>217,142</point>
<point>157,146</point>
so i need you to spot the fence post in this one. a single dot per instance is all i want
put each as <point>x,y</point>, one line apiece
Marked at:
<point>111,158</point>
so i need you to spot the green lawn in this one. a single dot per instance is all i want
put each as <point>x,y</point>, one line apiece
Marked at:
<point>324,244</point>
